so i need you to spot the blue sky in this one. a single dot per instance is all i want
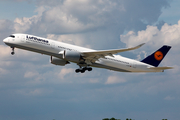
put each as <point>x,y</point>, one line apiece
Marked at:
<point>171,14</point>
<point>12,9</point>
<point>33,88</point>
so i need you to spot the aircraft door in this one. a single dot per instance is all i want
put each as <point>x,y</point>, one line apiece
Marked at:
<point>22,38</point>
<point>134,65</point>
<point>52,45</point>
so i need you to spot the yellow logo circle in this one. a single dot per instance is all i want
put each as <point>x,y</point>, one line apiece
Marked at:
<point>158,55</point>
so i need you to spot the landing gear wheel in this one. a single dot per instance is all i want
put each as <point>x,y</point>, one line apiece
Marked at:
<point>12,53</point>
<point>83,70</point>
<point>89,69</point>
<point>77,70</point>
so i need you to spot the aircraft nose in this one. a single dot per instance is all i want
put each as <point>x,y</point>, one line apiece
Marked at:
<point>5,40</point>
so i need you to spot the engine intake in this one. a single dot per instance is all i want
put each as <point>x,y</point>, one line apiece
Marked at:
<point>72,56</point>
<point>57,61</point>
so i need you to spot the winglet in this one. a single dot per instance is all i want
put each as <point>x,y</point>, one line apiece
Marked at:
<point>140,45</point>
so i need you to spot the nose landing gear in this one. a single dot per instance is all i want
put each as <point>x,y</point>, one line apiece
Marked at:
<point>12,53</point>
<point>82,70</point>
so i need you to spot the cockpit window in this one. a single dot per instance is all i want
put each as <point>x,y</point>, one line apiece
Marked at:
<point>12,36</point>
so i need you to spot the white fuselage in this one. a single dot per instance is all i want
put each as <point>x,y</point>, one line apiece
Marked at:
<point>53,48</point>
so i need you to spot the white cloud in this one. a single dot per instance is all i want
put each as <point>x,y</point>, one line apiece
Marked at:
<point>65,72</point>
<point>154,39</point>
<point>94,80</point>
<point>143,36</point>
<point>33,91</point>
<point>3,71</point>
<point>169,34</point>
<point>5,51</point>
<point>74,39</point>
<point>30,74</point>
<point>169,98</point>
<point>90,15</point>
<point>5,25</point>
<point>114,80</point>
<point>22,25</point>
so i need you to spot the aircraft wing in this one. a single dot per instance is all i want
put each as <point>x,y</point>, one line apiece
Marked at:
<point>95,55</point>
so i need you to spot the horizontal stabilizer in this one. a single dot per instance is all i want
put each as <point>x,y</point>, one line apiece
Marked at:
<point>160,68</point>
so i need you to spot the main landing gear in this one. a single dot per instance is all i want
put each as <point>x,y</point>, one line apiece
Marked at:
<point>12,53</point>
<point>82,70</point>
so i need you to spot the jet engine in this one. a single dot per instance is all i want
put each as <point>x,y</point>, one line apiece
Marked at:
<point>72,56</point>
<point>57,61</point>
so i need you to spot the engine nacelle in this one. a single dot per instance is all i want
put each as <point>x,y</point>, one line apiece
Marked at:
<point>57,61</point>
<point>72,56</point>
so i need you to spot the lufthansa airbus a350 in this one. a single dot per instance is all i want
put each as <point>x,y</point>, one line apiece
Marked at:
<point>63,53</point>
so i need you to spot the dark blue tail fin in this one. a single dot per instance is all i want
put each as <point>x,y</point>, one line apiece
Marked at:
<point>156,58</point>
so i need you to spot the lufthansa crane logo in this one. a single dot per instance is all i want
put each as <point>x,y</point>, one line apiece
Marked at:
<point>158,55</point>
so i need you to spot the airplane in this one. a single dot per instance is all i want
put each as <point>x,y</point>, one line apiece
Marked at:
<point>62,53</point>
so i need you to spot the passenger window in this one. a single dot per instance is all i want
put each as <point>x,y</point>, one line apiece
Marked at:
<point>12,36</point>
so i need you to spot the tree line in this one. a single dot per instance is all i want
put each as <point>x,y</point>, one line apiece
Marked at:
<point>120,119</point>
